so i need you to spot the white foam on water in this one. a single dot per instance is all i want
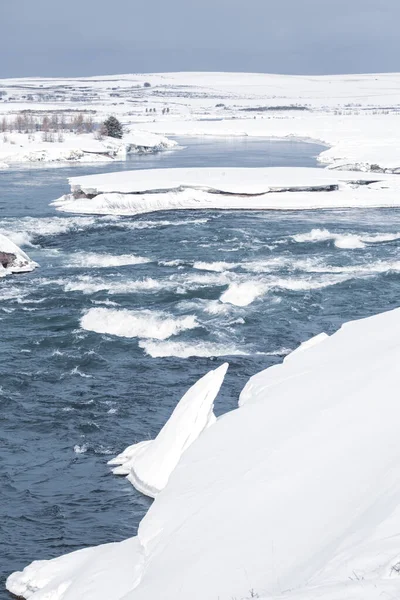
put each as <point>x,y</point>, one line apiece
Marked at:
<point>12,293</point>
<point>308,283</point>
<point>194,280</point>
<point>154,224</point>
<point>243,294</point>
<point>76,371</point>
<point>215,307</point>
<point>360,270</point>
<point>25,231</point>
<point>105,302</point>
<point>91,285</point>
<point>180,349</point>
<point>347,240</point>
<point>218,267</point>
<point>136,324</point>
<point>171,263</point>
<point>92,259</point>
<point>80,449</point>
<point>344,240</point>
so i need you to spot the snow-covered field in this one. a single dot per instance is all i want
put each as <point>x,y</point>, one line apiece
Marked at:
<point>357,116</point>
<point>138,192</point>
<point>295,494</point>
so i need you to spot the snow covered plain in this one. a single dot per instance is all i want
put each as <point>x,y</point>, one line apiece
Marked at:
<point>356,116</point>
<point>137,192</point>
<point>295,494</point>
<point>13,259</point>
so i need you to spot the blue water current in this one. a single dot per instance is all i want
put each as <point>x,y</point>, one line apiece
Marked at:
<point>71,398</point>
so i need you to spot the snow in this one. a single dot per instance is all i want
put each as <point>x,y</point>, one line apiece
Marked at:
<point>225,180</point>
<point>82,574</point>
<point>149,464</point>
<point>24,148</point>
<point>269,188</point>
<point>296,494</point>
<point>13,259</point>
<point>355,116</point>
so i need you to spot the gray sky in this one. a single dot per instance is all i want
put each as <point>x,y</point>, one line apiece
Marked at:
<point>95,37</point>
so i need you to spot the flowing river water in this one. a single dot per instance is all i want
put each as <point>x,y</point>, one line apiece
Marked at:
<point>201,288</point>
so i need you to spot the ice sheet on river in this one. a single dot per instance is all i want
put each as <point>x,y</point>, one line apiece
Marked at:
<point>295,495</point>
<point>138,192</point>
<point>149,464</point>
<point>13,259</point>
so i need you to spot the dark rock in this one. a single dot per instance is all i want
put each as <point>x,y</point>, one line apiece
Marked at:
<point>7,259</point>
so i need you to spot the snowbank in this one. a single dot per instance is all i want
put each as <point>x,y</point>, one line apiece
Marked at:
<point>13,259</point>
<point>138,192</point>
<point>296,494</point>
<point>25,148</point>
<point>149,464</point>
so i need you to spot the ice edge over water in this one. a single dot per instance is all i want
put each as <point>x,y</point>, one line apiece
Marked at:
<point>149,464</point>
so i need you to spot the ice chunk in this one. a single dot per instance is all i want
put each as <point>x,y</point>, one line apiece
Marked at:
<point>149,464</point>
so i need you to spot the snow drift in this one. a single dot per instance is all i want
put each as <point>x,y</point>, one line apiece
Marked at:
<point>13,259</point>
<point>296,494</point>
<point>149,464</point>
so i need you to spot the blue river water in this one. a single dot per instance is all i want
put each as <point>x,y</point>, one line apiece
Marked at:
<point>252,285</point>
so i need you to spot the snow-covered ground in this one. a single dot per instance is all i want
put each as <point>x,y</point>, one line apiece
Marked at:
<point>137,192</point>
<point>13,259</point>
<point>296,494</point>
<point>17,148</point>
<point>357,116</point>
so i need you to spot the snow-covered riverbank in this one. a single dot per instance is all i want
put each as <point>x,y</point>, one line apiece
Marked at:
<point>138,192</point>
<point>296,494</point>
<point>23,148</point>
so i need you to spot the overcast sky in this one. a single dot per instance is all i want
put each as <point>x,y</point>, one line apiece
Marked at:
<point>95,37</point>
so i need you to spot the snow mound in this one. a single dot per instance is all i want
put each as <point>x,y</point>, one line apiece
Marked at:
<point>13,259</point>
<point>136,324</point>
<point>149,464</point>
